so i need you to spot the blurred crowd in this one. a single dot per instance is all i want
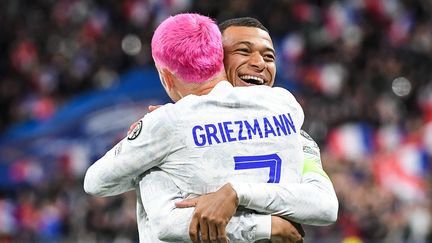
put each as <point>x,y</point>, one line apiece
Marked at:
<point>53,50</point>
<point>362,70</point>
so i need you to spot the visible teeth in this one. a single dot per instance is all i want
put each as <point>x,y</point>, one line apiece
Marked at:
<point>246,77</point>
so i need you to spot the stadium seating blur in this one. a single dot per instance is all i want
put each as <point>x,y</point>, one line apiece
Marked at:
<point>75,74</point>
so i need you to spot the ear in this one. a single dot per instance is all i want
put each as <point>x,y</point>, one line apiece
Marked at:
<point>167,79</point>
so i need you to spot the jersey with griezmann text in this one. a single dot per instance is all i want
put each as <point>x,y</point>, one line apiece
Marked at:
<point>247,134</point>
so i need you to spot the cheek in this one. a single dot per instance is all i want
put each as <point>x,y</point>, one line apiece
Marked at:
<point>232,75</point>
<point>233,61</point>
<point>272,74</point>
<point>229,63</point>
<point>231,67</point>
<point>272,69</point>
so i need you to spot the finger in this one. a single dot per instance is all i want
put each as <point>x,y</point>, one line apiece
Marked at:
<point>213,232</point>
<point>188,203</point>
<point>296,236</point>
<point>153,107</point>
<point>222,233</point>
<point>194,230</point>
<point>204,229</point>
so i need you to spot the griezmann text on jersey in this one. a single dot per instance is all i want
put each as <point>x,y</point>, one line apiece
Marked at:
<point>230,131</point>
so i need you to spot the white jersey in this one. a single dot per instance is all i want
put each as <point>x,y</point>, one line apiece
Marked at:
<point>160,221</point>
<point>244,134</point>
<point>239,135</point>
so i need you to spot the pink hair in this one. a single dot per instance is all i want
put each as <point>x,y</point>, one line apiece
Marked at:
<point>190,46</point>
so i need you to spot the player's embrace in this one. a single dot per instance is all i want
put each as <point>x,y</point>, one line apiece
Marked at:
<point>241,142</point>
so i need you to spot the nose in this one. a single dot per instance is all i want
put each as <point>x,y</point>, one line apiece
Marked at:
<point>257,61</point>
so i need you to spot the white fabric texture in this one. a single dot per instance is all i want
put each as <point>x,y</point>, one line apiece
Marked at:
<point>246,136</point>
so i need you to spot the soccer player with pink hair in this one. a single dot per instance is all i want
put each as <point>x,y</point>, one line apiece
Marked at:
<point>214,138</point>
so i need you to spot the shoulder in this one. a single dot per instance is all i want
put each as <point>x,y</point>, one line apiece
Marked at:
<point>277,94</point>
<point>285,96</point>
<point>161,117</point>
<point>159,113</point>
<point>284,92</point>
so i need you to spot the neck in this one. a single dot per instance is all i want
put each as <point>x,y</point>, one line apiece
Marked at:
<point>205,88</point>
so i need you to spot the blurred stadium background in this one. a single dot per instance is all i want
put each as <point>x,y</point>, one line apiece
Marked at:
<point>74,74</point>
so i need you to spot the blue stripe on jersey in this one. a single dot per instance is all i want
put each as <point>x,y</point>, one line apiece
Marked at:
<point>272,161</point>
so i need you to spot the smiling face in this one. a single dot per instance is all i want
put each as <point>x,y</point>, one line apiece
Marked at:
<point>249,56</point>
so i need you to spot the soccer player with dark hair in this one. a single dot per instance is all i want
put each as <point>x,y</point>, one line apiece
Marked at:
<point>244,142</point>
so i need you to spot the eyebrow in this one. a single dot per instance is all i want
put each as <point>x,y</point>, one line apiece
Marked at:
<point>248,43</point>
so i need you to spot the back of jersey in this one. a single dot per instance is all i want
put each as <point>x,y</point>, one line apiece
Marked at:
<point>246,134</point>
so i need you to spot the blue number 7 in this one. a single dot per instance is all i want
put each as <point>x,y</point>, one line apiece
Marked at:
<point>273,161</point>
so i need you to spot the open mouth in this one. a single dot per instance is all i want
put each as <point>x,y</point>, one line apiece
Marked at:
<point>252,79</point>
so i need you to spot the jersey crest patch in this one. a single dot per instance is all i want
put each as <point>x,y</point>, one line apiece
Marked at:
<point>309,150</point>
<point>134,130</point>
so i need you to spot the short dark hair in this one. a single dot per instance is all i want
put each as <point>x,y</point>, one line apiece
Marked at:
<point>243,22</point>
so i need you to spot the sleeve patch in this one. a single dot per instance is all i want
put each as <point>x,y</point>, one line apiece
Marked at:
<point>309,150</point>
<point>134,130</point>
<point>308,139</point>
